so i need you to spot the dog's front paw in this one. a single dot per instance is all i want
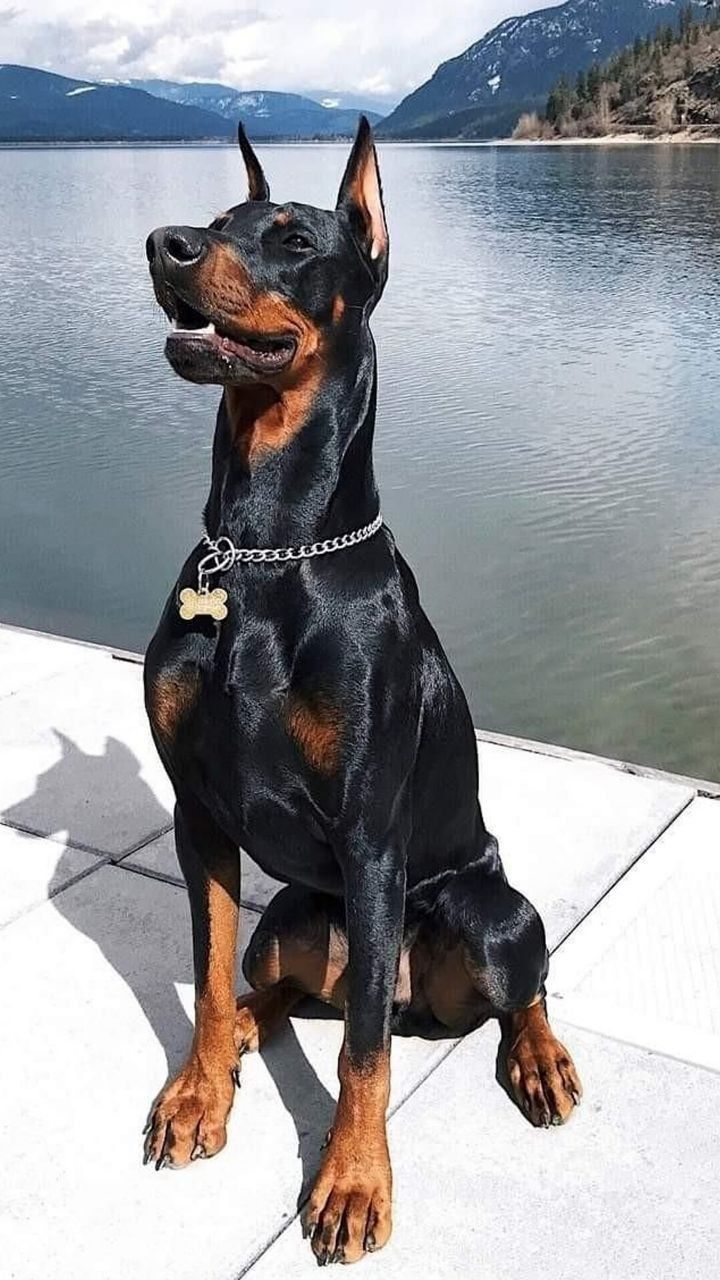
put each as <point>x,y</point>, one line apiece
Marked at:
<point>349,1212</point>
<point>541,1071</point>
<point>188,1120</point>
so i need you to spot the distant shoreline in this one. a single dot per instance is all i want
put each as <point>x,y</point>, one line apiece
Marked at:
<point>605,140</point>
<point>116,144</point>
<point>119,144</point>
<point>618,140</point>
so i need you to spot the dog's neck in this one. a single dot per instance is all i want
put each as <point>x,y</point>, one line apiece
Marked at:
<point>276,486</point>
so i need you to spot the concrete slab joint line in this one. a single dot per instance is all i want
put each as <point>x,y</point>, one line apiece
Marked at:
<point>643,853</point>
<point>29,876</point>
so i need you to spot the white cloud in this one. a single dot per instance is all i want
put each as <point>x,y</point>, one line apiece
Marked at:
<point>367,46</point>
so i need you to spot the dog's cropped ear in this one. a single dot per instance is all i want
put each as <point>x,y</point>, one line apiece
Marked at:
<point>258,188</point>
<point>361,200</point>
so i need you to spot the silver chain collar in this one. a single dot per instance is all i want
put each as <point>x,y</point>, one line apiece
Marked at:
<point>223,554</point>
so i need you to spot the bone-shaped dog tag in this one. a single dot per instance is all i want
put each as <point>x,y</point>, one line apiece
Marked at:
<point>210,603</point>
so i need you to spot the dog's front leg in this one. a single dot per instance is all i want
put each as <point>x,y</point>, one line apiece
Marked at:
<point>188,1119</point>
<point>349,1211</point>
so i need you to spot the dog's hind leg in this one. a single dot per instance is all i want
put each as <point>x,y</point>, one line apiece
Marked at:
<point>298,949</point>
<point>542,1073</point>
<point>490,942</point>
<point>260,1013</point>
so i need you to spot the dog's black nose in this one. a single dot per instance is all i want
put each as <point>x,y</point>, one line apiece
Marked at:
<point>184,244</point>
<point>179,246</point>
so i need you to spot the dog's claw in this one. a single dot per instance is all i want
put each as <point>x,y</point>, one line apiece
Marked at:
<point>575,1097</point>
<point>235,1073</point>
<point>198,1152</point>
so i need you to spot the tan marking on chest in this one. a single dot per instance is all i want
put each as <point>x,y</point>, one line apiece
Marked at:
<point>338,308</point>
<point>316,727</point>
<point>171,700</point>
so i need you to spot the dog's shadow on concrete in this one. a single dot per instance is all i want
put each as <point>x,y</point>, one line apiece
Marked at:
<point>118,924</point>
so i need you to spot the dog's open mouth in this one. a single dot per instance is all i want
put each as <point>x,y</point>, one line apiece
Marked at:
<point>262,353</point>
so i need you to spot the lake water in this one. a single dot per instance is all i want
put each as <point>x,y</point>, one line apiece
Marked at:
<point>548,444</point>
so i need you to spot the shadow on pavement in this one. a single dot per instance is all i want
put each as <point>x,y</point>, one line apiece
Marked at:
<point>119,928</point>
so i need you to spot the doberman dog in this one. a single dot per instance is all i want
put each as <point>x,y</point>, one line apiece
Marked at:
<point>305,711</point>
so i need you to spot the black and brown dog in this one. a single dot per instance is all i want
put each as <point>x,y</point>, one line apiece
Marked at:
<point>319,726</point>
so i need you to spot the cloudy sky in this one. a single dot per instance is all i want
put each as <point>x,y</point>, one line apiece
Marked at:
<point>371,46</point>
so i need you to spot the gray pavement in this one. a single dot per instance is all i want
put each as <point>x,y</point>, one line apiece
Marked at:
<point>97,1003</point>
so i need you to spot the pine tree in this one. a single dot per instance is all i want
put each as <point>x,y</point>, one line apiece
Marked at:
<point>559,102</point>
<point>594,80</point>
<point>628,88</point>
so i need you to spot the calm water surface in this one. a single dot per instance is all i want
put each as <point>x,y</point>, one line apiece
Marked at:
<point>548,443</point>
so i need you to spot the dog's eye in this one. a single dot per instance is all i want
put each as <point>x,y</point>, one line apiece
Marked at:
<point>296,242</point>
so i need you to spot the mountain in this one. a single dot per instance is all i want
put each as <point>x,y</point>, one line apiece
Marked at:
<point>365,102</point>
<point>266,114</point>
<point>38,106</point>
<point>666,85</point>
<point>516,63</point>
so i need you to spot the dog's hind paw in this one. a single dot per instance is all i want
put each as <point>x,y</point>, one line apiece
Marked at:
<point>247,1028</point>
<point>542,1073</point>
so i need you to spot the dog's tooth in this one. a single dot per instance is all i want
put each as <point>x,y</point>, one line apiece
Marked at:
<point>206,331</point>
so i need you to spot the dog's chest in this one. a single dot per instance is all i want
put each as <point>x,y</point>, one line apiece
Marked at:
<point>243,719</point>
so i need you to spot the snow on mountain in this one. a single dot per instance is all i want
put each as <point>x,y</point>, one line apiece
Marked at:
<point>516,63</point>
<point>265,112</point>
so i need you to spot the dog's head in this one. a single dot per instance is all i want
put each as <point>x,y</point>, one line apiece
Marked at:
<point>260,291</point>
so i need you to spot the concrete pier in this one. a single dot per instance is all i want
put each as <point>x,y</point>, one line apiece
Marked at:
<point>96,980</point>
